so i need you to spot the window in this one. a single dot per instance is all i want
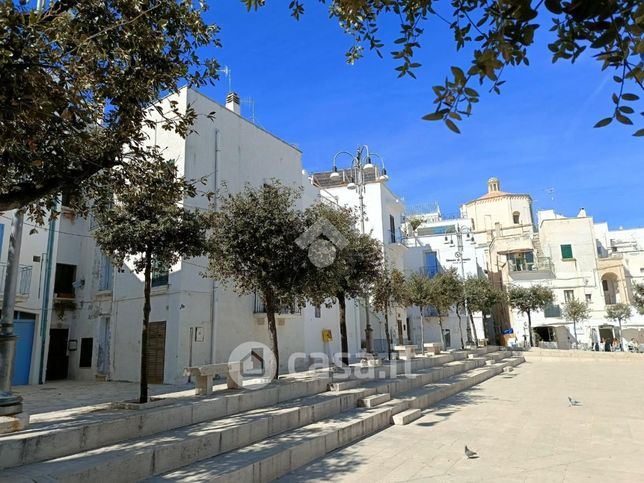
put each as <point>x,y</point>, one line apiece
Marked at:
<point>589,298</point>
<point>431,264</point>
<point>318,311</point>
<point>87,346</point>
<point>569,295</point>
<point>159,277</point>
<point>105,273</point>
<point>516,217</point>
<point>392,228</point>
<point>64,281</point>
<point>566,252</point>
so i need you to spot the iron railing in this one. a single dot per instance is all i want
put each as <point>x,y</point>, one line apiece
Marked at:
<point>260,307</point>
<point>24,278</point>
<point>538,264</point>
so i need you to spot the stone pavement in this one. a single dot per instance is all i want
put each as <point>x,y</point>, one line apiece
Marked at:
<point>521,425</point>
<point>62,395</point>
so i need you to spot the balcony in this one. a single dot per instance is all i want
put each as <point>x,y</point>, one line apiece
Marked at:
<point>24,279</point>
<point>535,269</point>
<point>284,312</point>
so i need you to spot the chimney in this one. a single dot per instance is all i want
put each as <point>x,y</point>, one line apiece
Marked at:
<point>582,213</point>
<point>232,103</point>
<point>493,184</point>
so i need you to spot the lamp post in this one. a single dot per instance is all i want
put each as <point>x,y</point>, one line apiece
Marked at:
<point>459,258</point>
<point>357,180</point>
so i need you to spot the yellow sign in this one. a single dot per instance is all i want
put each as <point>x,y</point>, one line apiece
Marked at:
<point>327,336</point>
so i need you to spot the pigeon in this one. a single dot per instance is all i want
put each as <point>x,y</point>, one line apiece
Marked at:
<point>470,454</point>
<point>573,402</point>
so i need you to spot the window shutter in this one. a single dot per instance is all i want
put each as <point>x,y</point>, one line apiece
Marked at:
<point>566,252</point>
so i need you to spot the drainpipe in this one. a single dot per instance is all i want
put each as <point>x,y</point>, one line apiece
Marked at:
<point>44,312</point>
<point>213,296</point>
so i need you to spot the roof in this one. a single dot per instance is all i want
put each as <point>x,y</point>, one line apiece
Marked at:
<point>496,194</point>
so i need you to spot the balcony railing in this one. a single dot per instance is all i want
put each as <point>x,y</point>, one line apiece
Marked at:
<point>260,308</point>
<point>537,265</point>
<point>24,278</point>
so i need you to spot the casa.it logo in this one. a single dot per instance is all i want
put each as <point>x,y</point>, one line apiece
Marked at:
<point>322,251</point>
<point>258,365</point>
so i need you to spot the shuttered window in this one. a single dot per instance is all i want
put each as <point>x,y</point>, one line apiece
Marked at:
<point>566,252</point>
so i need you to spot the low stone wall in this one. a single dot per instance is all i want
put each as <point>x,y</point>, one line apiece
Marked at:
<point>557,354</point>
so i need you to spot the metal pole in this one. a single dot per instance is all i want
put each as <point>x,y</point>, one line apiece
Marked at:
<point>9,403</point>
<point>368,329</point>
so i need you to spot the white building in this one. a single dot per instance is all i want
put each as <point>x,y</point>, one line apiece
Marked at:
<point>441,243</point>
<point>383,217</point>
<point>574,256</point>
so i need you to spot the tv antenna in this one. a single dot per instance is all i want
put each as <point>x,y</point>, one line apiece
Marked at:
<point>228,73</point>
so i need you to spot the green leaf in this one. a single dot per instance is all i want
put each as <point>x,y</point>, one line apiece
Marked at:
<point>459,75</point>
<point>630,97</point>
<point>639,132</point>
<point>453,127</point>
<point>623,119</point>
<point>604,122</point>
<point>434,116</point>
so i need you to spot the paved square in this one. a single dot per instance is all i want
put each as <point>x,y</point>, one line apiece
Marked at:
<point>522,427</point>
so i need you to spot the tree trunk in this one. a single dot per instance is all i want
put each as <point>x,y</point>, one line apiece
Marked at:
<point>271,310</point>
<point>574,328</point>
<point>460,328</point>
<point>143,392</point>
<point>530,328</point>
<point>620,335</point>
<point>344,338</point>
<point>422,331</point>
<point>476,337</point>
<point>440,324</point>
<point>387,332</point>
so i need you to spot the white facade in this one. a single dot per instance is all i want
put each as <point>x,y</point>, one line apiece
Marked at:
<point>383,217</point>
<point>434,247</point>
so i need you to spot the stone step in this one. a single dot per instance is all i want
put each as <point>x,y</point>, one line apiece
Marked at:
<point>429,395</point>
<point>143,457</point>
<point>45,442</point>
<point>270,459</point>
<point>406,417</point>
<point>373,401</point>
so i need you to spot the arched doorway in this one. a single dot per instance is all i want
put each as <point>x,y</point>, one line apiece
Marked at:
<point>610,287</point>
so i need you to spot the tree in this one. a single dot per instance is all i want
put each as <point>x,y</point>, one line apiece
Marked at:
<point>619,313</point>
<point>638,297</point>
<point>530,299</point>
<point>481,296</point>
<point>576,311</point>
<point>418,294</point>
<point>355,268</point>
<point>78,82</point>
<point>497,35</point>
<point>446,290</point>
<point>389,292</point>
<point>147,226</point>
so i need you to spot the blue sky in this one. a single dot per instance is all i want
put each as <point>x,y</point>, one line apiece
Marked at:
<point>535,136</point>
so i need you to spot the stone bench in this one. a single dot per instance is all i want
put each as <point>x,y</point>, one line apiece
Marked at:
<point>433,347</point>
<point>204,374</point>
<point>405,352</point>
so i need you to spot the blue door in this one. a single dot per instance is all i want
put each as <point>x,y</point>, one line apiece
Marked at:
<point>24,329</point>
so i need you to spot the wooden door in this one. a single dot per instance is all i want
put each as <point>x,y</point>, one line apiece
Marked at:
<point>156,352</point>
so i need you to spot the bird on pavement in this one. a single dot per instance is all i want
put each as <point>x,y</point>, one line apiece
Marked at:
<point>573,402</point>
<point>470,454</point>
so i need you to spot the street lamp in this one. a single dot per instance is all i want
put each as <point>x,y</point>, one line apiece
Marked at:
<point>459,258</point>
<point>361,165</point>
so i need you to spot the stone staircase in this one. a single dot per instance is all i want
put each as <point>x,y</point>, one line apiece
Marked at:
<point>243,435</point>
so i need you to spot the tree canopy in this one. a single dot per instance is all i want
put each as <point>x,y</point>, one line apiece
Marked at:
<point>481,296</point>
<point>146,225</point>
<point>530,299</point>
<point>576,311</point>
<point>638,297</point>
<point>389,291</point>
<point>497,35</point>
<point>79,80</point>
<point>619,312</point>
